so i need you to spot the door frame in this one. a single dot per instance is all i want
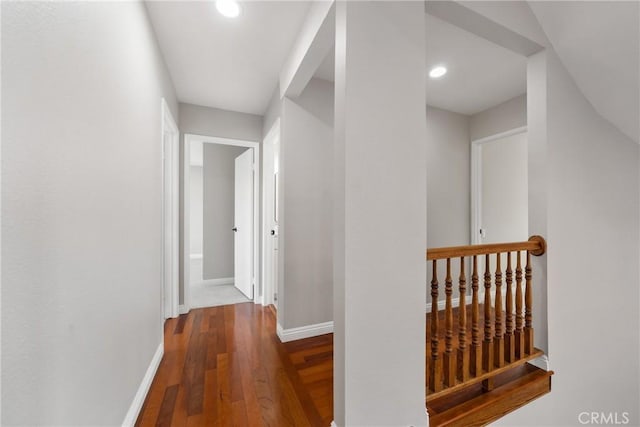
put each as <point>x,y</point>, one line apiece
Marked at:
<point>188,139</point>
<point>170,217</point>
<point>270,287</point>
<point>476,179</point>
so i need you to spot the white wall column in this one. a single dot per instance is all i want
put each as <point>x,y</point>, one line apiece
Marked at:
<point>538,171</point>
<point>380,215</point>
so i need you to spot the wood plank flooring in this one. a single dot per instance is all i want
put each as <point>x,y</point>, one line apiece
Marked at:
<point>225,366</point>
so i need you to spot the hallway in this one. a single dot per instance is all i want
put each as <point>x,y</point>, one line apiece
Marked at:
<point>204,295</point>
<point>225,366</point>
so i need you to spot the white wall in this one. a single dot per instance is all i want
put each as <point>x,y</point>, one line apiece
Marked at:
<point>219,196</point>
<point>509,115</point>
<point>514,15</point>
<point>198,120</point>
<point>380,204</point>
<point>81,209</point>
<point>306,200</point>
<point>448,185</point>
<point>274,111</point>
<point>593,257</point>
<point>313,42</point>
<point>207,121</point>
<point>195,211</point>
<point>448,179</point>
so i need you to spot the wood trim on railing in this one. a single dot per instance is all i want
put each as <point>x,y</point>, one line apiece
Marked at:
<point>536,245</point>
<point>499,338</point>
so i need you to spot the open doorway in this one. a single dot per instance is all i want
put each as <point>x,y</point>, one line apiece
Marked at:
<point>220,217</point>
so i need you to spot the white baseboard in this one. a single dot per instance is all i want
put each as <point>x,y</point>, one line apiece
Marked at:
<point>141,394</point>
<point>301,332</point>
<point>455,302</point>
<point>221,281</point>
<point>182,309</point>
<point>541,362</point>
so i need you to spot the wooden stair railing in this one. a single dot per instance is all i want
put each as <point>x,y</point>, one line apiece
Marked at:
<point>502,337</point>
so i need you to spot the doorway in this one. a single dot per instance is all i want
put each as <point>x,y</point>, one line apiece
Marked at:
<point>499,188</point>
<point>221,214</point>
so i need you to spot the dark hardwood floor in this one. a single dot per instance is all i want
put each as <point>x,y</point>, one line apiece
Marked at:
<point>225,366</point>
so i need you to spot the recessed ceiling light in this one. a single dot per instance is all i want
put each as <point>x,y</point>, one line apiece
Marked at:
<point>437,72</point>
<point>228,8</point>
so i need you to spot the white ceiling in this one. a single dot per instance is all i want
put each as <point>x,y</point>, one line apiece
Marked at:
<point>599,44</point>
<point>233,64</point>
<point>480,74</point>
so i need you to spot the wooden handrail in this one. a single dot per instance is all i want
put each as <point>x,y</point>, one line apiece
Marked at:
<point>501,327</point>
<point>536,245</point>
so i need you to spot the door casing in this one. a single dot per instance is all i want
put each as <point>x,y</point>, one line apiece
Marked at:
<point>186,230</point>
<point>269,205</point>
<point>169,161</point>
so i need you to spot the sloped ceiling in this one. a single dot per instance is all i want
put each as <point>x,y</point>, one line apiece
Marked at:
<point>599,44</point>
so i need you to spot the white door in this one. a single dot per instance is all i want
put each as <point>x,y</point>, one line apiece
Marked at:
<point>243,224</point>
<point>504,190</point>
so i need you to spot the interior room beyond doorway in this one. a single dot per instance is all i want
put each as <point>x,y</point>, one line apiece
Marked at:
<point>219,250</point>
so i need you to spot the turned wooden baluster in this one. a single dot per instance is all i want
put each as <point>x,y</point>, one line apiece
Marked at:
<point>519,333</point>
<point>476,353</point>
<point>449,356</point>
<point>487,344</point>
<point>528,303</point>
<point>498,347</point>
<point>435,375</point>
<point>463,350</point>
<point>509,347</point>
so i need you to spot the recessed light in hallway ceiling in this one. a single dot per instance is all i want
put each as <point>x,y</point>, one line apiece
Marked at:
<point>228,8</point>
<point>228,63</point>
<point>437,72</point>
<point>480,74</point>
